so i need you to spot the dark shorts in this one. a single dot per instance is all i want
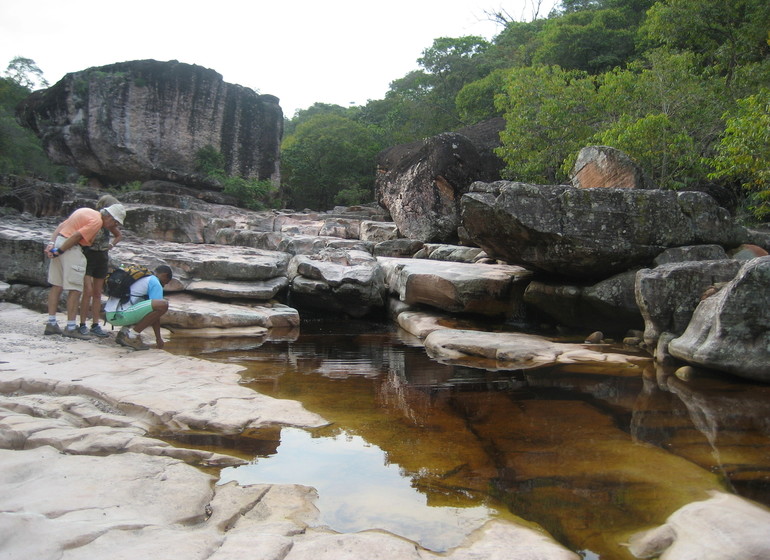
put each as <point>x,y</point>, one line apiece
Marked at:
<point>96,263</point>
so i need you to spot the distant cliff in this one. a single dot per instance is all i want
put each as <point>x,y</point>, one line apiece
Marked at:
<point>146,119</point>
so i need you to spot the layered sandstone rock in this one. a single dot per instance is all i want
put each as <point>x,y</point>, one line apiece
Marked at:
<point>667,295</point>
<point>730,330</point>
<point>146,119</point>
<point>590,233</point>
<point>493,290</point>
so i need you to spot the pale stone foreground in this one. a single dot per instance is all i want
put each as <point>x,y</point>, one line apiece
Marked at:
<point>81,477</point>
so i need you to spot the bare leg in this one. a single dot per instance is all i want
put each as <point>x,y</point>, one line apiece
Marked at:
<point>53,299</point>
<point>85,302</point>
<point>159,308</point>
<point>96,299</point>
<point>73,304</point>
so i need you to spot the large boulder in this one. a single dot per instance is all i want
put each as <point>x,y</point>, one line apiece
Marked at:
<point>603,166</point>
<point>456,287</point>
<point>667,295</point>
<point>349,282</point>
<point>146,119</point>
<point>421,184</point>
<point>33,196</point>
<point>730,331</point>
<point>590,233</point>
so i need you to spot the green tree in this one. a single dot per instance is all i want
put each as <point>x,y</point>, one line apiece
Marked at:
<point>514,45</point>
<point>663,113</point>
<point>661,148</point>
<point>550,113</point>
<point>723,34</point>
<point>302,115</point>
<point>21,152</point>
<point>329,160</point>
<point>476,101</point>
<point>590,40</point>
<point>24,72</point>
<point>743,152</point>
<point>422,103</point>
<point>251,193</point>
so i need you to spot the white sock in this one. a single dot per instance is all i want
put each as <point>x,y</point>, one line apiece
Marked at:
<point>71,324</point>
<point>133,334</point>
<point>52,319</point>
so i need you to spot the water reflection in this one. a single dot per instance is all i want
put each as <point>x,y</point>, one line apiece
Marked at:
<point>591,456</point>
<point>359,489</point>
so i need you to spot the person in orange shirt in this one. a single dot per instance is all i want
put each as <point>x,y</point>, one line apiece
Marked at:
<point>97,264</point>
<point>67,265</point>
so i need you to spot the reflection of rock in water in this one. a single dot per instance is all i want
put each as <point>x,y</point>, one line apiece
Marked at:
<point>590,454</point>
<point>731,419</point>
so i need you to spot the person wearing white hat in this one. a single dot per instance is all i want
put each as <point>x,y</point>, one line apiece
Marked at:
<point>97,265</point>
<point>67,264</point>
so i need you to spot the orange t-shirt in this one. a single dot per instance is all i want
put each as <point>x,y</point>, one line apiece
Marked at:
<point>85,220</point>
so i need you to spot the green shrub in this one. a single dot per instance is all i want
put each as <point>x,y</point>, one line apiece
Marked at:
<point>253,194</point>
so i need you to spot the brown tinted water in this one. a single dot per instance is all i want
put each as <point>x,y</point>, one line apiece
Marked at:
<point>431,451</point>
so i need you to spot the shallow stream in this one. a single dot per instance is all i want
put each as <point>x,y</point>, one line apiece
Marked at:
<point>431,451</point>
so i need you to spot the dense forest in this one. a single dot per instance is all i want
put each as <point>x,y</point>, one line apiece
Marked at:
<point>682,86</point>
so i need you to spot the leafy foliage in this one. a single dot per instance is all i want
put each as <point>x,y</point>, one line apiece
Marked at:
<point>723,34</point>
<point>590,40</point>
<point>251,193</point>
<point>660,147</point>
<point>743,152</point>
<point>25,73</point>
<point>21,152</point>
<point>329,159</point>
<point>550,112</point>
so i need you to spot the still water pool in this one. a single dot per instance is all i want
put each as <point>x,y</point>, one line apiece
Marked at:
<point>431,451</point>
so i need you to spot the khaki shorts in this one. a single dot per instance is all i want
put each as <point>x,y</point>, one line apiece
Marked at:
<point>68,269</point>
<point>131,315</point>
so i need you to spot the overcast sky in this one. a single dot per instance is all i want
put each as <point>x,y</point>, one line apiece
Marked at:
<point>302,51</point>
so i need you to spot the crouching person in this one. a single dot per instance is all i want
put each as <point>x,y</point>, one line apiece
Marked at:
<point>144,308</point>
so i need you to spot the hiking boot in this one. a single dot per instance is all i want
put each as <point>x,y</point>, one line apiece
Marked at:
<point>52,328</point>
<point>96,330</point>
<point>121,336</point>
<point>83,329</point>
<point>75,333</point>
<point>135,343</point>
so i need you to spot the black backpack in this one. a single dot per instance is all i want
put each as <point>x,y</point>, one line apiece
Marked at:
<point>119,281</point>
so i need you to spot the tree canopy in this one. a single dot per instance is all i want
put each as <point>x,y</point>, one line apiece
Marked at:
<point>665,81</point>
<point>21,152</point>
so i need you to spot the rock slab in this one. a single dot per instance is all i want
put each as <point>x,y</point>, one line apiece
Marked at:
<point>590,233</point>
<point>730,331</point>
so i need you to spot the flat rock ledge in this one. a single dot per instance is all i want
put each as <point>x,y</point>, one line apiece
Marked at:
<point>517,351</point>
<point>82,477</point>
<point>455,342</point>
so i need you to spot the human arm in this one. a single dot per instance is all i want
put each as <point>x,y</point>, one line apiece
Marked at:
<point>116,235</point>
<point>51,243</point>
<point>154,288</point>
<point>70,242</point>
<point>159,342</point>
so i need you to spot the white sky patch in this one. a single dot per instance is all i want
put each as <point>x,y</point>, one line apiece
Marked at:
<point>302,51</point>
